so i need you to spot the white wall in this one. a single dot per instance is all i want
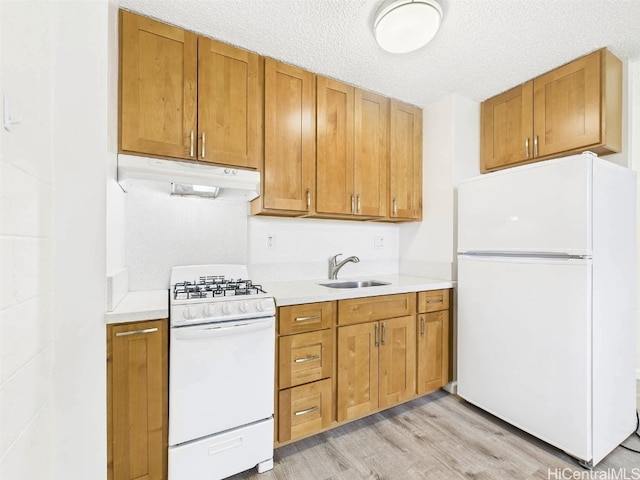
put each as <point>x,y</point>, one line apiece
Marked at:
<point>450,153</point>
<point>303,246</point>
<point>634,160</point>
<point>80,42</point>
<point>26,244</point>
<point>163,231</point>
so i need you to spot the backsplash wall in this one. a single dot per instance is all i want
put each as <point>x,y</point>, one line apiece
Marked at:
<point>163,231</point>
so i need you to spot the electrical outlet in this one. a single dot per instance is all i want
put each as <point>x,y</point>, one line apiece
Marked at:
<point>271,241</point>
<point>378,242</point>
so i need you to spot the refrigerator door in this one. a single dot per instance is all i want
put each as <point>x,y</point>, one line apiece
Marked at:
<point>543,207</point>
<point>524,329</point>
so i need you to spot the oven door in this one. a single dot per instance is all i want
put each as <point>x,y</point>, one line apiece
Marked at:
<point>221,376</point>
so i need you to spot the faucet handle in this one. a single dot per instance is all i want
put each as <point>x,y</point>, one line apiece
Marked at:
<point>334,259</point>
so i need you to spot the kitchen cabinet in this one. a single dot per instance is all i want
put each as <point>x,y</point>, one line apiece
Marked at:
<point>573,108</point>
<point>352,159</point>
<point>288,169</point>
<point>188,97</point>
<point>433,338</point>
<point>305,369</point>
<point>405,162</point>
<point>137,400</point>
<point>376,354</point>
<point>158,65</point>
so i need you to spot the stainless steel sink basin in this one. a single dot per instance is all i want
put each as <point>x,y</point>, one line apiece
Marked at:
<point>355,284</point>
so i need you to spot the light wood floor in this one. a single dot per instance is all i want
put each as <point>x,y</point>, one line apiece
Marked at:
<point>439,437</point>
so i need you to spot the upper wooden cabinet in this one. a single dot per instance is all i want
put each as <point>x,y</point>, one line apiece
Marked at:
<point>188,97</point>
<point>573,108</point>
<point>229,104</point>
<point>405,162</point>
<point>288,184</point>
<point>352,159</point>
<point>158,65</point>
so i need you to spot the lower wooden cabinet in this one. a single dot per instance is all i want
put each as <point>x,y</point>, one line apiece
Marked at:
<point>137,400</point>
<point>376,366</point>
<point>433,338</point>
<point>304,410</point>
<point>338,361</point>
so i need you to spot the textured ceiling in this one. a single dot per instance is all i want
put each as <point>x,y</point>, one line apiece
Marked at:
<point>483,47</point>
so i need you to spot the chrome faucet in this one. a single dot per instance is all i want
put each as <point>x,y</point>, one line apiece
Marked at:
<point>334,266</point>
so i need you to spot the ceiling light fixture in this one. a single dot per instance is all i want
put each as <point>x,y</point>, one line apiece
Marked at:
<point>403,26</point>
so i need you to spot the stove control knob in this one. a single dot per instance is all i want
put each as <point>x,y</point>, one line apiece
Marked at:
<point>226,308</point>
<point>259,306</point>
<point>189,313</point>
<point>209,310</point>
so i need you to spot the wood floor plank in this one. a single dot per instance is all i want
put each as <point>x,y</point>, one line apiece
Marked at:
<point>436,437</point>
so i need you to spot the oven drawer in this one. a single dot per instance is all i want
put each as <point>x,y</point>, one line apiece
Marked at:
<point>433,301</point>
<point>305,357</point>
<point>306,317</point>
<point>304,410</point>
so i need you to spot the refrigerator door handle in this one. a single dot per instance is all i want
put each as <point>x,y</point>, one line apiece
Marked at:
<point>511,254</point>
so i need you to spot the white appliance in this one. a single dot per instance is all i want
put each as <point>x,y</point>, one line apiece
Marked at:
<point>546,301</point>
<point>187,178</point>
<point>221,373</point>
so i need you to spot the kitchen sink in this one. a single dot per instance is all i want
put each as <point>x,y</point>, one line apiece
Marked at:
<point>355,284</point>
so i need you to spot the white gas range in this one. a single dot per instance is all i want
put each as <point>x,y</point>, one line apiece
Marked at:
<point>221,373</point>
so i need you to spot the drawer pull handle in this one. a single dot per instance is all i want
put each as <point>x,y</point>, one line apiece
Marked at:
<point>308,410</point>
<point>307,359</point>
<point>136,332</point>
<point>306,319</point>
<point>435,301</point>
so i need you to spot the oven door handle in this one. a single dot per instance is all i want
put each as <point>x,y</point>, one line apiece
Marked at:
<point>212,330</point>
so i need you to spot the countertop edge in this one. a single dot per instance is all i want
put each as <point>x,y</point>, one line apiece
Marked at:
<point>140,306</point>
<point>310,291</point>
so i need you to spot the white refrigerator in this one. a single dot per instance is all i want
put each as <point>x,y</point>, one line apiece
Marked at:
<point>546,301</point>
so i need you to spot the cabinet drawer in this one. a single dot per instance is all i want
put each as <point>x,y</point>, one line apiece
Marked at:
<point>433,301</point>
<point>306,317</point>
<point>304,410</point>
<point>305,358</point>
<point>359,310</point>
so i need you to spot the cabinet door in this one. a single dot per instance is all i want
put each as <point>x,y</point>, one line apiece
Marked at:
<point>371,154</point>
<point>157,88</point>
<point>290,149</point>
<point>405,162</point>
<point>137,373</point>
<point>507,128</point>
<point>334,163</point>
<point>433,351</point>
<point>567,106</point>
<point>397,360</point>
<point>229,104</point>
<point>357,370</point>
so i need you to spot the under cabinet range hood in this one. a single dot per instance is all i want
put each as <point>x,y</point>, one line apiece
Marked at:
<point>182,178</point>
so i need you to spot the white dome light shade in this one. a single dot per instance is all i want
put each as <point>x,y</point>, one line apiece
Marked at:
<point>405,25</point>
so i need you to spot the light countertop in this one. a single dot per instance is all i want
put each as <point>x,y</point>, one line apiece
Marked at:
<point>154,304</point>
<point>138,306</point>
<point>309,291</point>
